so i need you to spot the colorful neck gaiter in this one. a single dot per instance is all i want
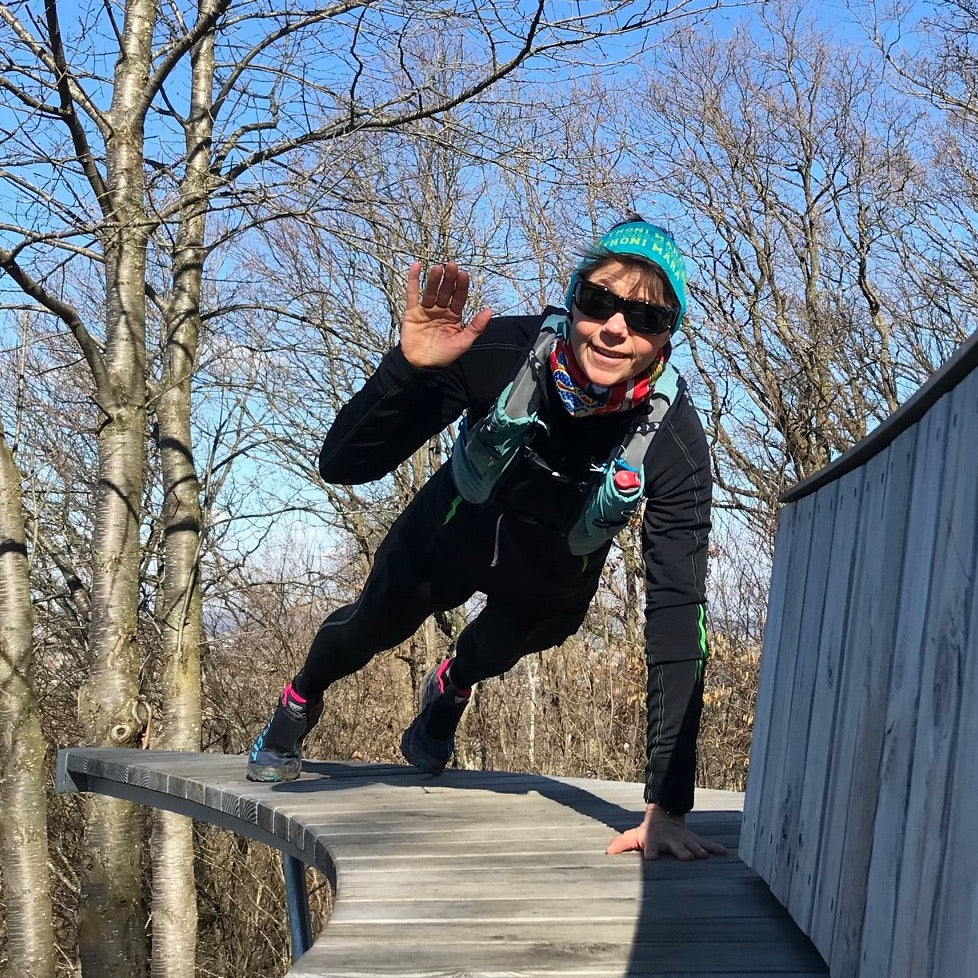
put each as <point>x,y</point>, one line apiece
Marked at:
<point>581,398</point>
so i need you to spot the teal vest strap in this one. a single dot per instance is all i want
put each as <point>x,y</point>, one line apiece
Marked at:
<point>615,499</point>
<point>481,454</point>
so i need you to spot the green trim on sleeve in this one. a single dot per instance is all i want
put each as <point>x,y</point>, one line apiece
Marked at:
<point>452,509</point>
<point>704,645</point>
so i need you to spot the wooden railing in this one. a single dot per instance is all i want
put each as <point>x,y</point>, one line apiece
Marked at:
<point>863,790</point>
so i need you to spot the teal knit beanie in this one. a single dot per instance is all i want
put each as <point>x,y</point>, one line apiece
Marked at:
<point>646,241</point>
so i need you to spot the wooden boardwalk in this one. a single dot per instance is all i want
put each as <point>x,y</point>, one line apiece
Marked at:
<point>480,874</point>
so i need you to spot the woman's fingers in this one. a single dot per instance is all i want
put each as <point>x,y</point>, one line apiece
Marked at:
<point>446,287</point>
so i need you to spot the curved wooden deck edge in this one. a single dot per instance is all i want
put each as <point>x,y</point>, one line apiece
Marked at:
<point>479,873</point>
<point>149,778</point>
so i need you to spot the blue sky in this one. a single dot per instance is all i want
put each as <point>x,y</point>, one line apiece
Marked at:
<point>846,21</point>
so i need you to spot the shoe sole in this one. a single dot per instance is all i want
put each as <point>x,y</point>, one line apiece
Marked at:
<point>268,774</point>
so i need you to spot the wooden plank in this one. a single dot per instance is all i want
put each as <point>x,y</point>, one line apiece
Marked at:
<point>779,673</point>
<point>855,674</point>
<point>309,970</point>
<point>784,566</point>
<point>795,701</point>
<point>824,711</point>
<point>856,746</point>
<point>363,842</point>
<point>376,785</point>
<point>703,907</point>
<point>519,827</point>
<point>857,742</point>
<point>552,886</point>
<point>874,631</point>
<point>587,844</point>
<point>940,812</point>
<point>616,930</point>
<point>956,940</point>
<point>924,853</point>
<point>550,957</point>
<point>900,722</point>
<point>594,864</point>
<point>957,934</point>
<point>689,950</point>
<point>362,846</point>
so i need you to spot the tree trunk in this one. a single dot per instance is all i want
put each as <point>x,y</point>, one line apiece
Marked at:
<point>533,680</point>
<point>111,932</point>
<point>174,889</point>
<point>23,800</point>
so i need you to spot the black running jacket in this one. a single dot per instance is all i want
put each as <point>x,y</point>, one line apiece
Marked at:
<point>402,406</point>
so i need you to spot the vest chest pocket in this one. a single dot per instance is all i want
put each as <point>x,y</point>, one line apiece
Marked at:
<point>534,491</point>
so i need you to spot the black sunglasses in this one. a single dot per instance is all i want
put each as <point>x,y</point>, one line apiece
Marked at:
<point>597,302</point>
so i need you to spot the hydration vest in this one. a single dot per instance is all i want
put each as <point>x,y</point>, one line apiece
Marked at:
<point>482,453</point>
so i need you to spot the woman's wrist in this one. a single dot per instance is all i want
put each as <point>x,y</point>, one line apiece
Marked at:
<point>654,810</point>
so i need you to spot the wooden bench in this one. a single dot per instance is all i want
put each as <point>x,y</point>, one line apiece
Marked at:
<point>479,873</point>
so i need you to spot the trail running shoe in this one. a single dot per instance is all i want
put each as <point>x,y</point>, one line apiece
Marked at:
<point>276,754</point>
<point>429,741</point>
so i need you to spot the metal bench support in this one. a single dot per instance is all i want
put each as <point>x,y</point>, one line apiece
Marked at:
<point>297,900</point>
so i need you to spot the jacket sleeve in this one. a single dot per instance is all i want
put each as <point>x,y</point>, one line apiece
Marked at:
<point>676,530</point>
<point>395,412</point>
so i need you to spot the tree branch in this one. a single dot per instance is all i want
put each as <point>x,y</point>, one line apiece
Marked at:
<point>205,24</point>
<point>67,112</point>
<point>78,94</point>
<point>266,42</point>
<point>77,591</point>
<point>90,349</point>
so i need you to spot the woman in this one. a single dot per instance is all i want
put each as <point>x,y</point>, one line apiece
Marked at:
<point>571,420</point>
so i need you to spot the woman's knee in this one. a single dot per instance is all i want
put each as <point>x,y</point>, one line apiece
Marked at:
<point>492,644</point>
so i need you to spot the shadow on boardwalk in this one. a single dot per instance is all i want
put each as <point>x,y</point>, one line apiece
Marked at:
<point>708,917</point>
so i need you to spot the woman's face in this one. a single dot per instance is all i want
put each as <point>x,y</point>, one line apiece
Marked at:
<point>607,350</point>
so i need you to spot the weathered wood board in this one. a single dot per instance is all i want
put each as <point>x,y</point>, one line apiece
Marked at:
<point>481,874</point>
<point>868,689</point>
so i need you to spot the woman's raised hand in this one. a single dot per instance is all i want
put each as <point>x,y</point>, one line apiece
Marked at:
<point>432,332</point>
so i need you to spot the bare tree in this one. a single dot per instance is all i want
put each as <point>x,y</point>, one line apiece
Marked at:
<point>793,166</point>
<point>113,178</point>
<point>932,54</point>
<point>23,828</point>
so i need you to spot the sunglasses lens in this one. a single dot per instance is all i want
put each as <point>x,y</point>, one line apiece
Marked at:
<point>598,302</point>
<point>593,300</point>
<point>651,319</point>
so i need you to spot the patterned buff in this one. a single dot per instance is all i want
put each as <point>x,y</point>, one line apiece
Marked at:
<point>581,398</point>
